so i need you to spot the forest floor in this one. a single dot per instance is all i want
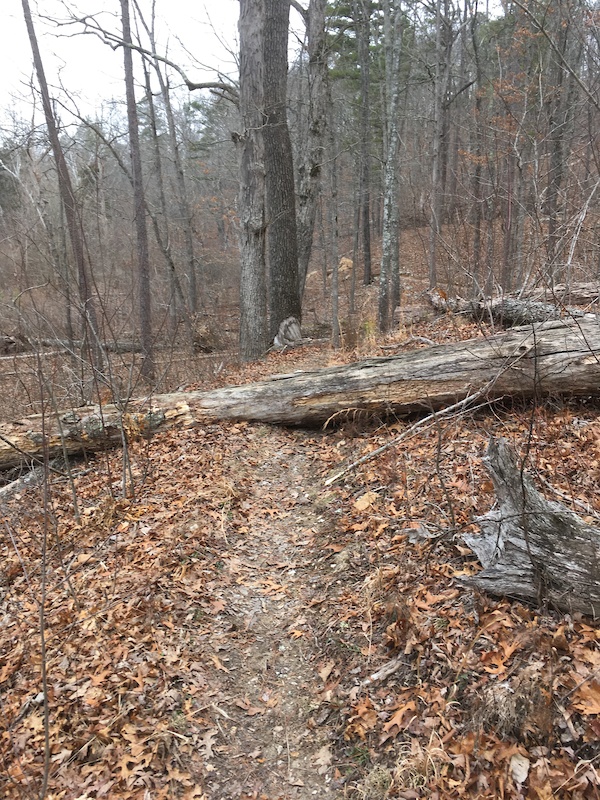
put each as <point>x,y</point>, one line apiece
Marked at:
<point>218,623</point>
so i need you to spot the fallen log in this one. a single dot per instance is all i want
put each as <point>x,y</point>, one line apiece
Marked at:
<point>506,311</point>
<point>532,548</point>
<point>577,293</point>
<point>78,344</point>
<point>559,358</point>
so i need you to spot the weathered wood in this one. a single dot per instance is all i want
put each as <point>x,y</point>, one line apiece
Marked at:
<point>577,293</point>
<point>560,358</point>
<point>532,548</point>
<point>506,311</point>
<point>109,347</point>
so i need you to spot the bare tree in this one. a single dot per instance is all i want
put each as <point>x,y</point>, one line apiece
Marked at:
<point>143,257</point>
<point>312,146</point>
<point>361,10</point>
<point>389,277</point>
<point>443,46</point>
<point>282,243</point>
<point>182,198</point>
<point>73,220</point>
<point>253,295</point>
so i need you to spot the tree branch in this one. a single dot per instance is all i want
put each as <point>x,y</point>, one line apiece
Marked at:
<point>302,11</point>
<point>565,64</point>
<point>91,27</point>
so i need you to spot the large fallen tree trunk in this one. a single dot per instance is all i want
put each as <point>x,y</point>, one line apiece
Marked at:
<point>506,311</point>
<point>581,294</point>
<point>532,548</point>
<point>549,358</point>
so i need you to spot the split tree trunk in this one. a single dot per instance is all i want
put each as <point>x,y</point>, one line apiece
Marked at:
<point>548,358</point>
<point>532,548</point>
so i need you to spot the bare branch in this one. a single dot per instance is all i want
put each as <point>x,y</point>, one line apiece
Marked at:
<point>302,11</point>
<point>563,61</point>
<point>92,28</point>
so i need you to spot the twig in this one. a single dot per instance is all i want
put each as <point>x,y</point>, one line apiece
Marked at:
<point>592,676</point>
<point>385,671</point>
<point>462,407</point>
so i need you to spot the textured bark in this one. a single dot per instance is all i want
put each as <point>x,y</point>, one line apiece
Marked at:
<point>282,243</point>
<point>549,358</point>
<point>389,276</point>
<point>504,311</point>
<point>532,548</point>
<point>362,22</point>
<point>585,294</point>
<point>253,284</point>
<point>312,149</point>
<point>143,255</point>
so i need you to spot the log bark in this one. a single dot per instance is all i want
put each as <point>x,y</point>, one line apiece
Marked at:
<point>577,293</point>
<point>558,358</point>
<point>532,548</point>
<point>506,311</point>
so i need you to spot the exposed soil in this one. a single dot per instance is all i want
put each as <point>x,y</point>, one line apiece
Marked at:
<point>268,741</point>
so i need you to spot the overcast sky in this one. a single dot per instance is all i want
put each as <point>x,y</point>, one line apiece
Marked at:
<point>191,32</point>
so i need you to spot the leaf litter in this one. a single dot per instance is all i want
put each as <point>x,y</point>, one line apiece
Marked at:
<point>234,629</point>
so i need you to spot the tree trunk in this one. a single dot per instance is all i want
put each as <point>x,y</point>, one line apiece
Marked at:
<point>183,203</point>
<point>362,22</point>
<point>143,256</point>
<point>550,358</point>
<point>532,548</point>
<point>587,294</point>
<point>389,276</point>
<point>312,149</point>
<point>253,283</point>
<point>439,91</point>
<point>282,242</point>
<point>334,224</point>
<point>91,334</point>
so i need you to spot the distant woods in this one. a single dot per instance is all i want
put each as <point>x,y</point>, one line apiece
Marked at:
<point>478,130</point>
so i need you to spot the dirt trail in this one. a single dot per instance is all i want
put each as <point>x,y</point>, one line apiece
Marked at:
<point>268,741</point>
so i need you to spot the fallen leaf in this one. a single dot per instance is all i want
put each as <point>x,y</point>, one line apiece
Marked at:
<point>326,671</point>
<point>587,698</point>
<point>218,664</point>
<point>365,501</point>
<point>246,706</point>
<point>398,717</point>
<point>207,741</point>
<point>519,768</point>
